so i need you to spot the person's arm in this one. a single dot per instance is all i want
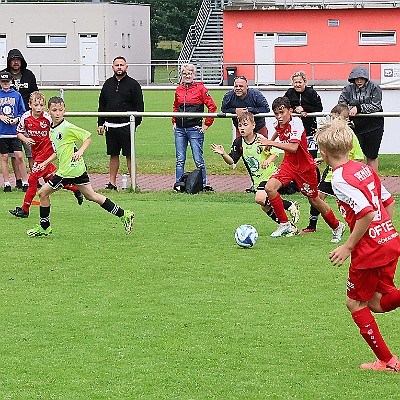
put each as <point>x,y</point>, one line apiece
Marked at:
<point>138,102</point>
<point>43,165</point>
<point>339,255</point>
<point>268,161</point>
<point>29,141</point>
<point>78,154</point>
<point>260,104</point>
<point>289,147</point>
<point>375,101</point>
<point>219,149</point>
<point>211,106</point>
<point>226,106</point>
<point>101,108</point>
<point>314,103</point>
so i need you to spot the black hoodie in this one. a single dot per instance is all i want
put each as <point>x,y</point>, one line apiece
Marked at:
<point>27,84</point>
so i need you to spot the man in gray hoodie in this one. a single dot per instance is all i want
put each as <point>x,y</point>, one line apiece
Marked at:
<point>365,97</point>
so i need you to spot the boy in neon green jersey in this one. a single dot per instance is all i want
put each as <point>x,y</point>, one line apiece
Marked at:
<point>260,164</point>
<point>72,170</point>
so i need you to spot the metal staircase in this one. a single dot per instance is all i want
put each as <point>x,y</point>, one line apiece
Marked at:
<point>203,45</point>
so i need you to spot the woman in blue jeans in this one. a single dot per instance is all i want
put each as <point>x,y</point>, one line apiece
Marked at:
<point>191,96</point>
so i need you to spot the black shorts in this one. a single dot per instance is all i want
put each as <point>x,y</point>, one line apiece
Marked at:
<point>326,187</point>
<point>118,139</point>
<point>57,181</point>
<point>9,145</point>
<point>370,142</point>
<point>261,186</point>
<point>27,148</point>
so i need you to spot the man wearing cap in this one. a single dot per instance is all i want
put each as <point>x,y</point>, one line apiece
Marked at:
<point>11,109</point>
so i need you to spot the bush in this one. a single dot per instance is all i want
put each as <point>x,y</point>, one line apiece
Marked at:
<point>164,54</point>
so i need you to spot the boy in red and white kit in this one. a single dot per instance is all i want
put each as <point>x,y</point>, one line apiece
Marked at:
<point>297,165</point>
<point>374,244</point>
<point>33,129</point>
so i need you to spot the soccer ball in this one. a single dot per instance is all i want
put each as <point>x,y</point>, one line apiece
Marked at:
<point>246,236</point>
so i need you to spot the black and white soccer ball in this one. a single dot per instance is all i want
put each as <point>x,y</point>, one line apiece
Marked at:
<point>246,236</point>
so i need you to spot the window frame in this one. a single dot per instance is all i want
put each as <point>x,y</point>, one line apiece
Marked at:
<point>294,42</point>
<point>378,42</point>
<point>48,40</point>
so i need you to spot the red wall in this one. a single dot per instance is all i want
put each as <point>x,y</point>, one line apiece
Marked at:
<point>325,44</point>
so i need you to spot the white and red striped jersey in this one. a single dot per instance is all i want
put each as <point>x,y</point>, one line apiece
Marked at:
<point>359,190</point>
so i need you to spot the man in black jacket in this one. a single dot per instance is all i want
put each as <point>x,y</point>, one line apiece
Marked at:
<point>119,93</point>
<point>24,82</point>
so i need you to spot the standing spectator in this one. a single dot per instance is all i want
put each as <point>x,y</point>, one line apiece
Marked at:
<point>25,83</point>
<point>191,96</point>
<point>365,97</point>
<point>119,93</point>
<point>241,99</point>
<point>11,110</point>
<point>303,100</point>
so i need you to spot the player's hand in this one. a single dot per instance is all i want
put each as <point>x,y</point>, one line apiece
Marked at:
<point>5,118</point>
<point>100,130</point>
<point>30,142</point>
<point>76,156</point>
<point>353,111</point>
<point>217,148</point>
<point>203,128</point>
<point>263,141</point>
<point>339,255</point>
<point>38,167</point>
<point>265,164</point>
<point>318,160</point>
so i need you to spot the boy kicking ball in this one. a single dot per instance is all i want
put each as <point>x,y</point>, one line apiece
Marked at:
<point>373,244</point>
<point>260,164</point>
<point>72,170</point>
<point>297,165</point>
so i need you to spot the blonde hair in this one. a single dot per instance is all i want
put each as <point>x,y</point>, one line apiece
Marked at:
<point>301,74</point>
<point>36,95</point>
<point>335,137</point>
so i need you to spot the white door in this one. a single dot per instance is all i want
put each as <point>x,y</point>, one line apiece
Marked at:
<point>264,49</point>
<point>89,59</point>
<point>3,51</point>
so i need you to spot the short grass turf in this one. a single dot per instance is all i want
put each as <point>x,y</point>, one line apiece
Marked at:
<point>177,310</point>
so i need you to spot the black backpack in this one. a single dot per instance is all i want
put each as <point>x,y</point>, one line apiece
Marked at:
<point>191,182</point>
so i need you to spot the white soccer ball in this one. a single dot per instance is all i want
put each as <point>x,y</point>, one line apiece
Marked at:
<point>246,236</point>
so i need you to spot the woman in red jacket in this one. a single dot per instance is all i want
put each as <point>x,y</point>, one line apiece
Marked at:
<point>191,96</point>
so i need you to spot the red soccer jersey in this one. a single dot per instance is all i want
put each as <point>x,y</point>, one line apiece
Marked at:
<point>37,129</point>
<point>359,190</point>
<point>294,132</point>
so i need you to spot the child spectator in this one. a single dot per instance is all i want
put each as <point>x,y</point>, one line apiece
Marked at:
<point>259,162</point>
<point>373,244</point>
<point>325,187</point>
<point>11,110</point>
<point>72,170</point>
<point>297,165</point>
<point>33,129</point>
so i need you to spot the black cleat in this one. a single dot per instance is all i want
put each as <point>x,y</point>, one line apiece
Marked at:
<point>79,197</point>
<point>19,212</point>
<point>7,189</point>
<point>208,188</point>
<point>110,186</point>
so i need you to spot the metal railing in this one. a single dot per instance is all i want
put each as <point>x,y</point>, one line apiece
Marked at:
<point>328,4</point>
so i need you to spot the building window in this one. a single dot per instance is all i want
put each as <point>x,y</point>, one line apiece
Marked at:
<point>377,38</point>
<point>291,39</point>
<point>46,40</point>
<point>333,22</point>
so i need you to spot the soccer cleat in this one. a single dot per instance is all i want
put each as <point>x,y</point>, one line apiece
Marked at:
<point>338,233</point>
<point>79,196</point>
<point>307,230</point>
<point>294,231</point>
<point>7,189</point>
<point>110,186</point>
<point>19,212</point>
<point>127,220</point>
<point>283,230</point>
<point>39,231</point>
<point>18,183</point>
<point>208,188</point>
<point>250,189</point>
<point>393,365</point>
<point>294,210</point>
<point>24,188</point>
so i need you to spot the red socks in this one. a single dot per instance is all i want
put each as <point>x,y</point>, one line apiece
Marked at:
<point>370,332</point>
<point>330,219</point>
<point>277,205</point>
<point>390,301</point>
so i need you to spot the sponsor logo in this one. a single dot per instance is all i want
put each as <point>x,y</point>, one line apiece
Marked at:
<point>363,174</point>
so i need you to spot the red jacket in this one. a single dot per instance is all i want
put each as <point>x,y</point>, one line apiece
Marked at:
<point>192,98</point>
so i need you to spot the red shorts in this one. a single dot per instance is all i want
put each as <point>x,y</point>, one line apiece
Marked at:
<point>306,181</point>
<point>46,174</point>
<point>363,283</point>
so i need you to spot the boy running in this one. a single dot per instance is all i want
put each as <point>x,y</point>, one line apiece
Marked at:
<point>259,162</point>
<point>297,165</point>
<point>33,129</point>
<point>373,244</point>
<point>72,170</point>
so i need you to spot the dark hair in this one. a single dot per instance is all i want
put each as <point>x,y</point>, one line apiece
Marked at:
<point>279,102</point>
<point>55,100</point>
<point>341,110</point>
<point>119,58</point>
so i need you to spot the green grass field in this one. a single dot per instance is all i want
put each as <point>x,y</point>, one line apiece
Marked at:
<point>177,310</point>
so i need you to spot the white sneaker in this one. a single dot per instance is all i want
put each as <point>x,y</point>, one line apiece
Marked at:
<point>293,230</point>
<point>283,230</point>
<point>338,233</point>
<point>294,210</point>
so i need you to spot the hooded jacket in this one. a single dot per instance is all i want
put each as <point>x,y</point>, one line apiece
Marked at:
<point>367,99</point>
<point>27,84</point>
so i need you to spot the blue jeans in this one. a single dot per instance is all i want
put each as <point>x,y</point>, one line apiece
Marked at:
<point>195,137</point>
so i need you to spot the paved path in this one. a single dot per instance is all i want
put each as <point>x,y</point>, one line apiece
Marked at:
<point>220,183</point>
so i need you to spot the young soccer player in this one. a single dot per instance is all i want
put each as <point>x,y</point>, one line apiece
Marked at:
<point>297,165</point>
<point>373,244</point>
<point>259,162</point>
<point>325,187</point>
<point>72,170</point>
<point>33,129</point>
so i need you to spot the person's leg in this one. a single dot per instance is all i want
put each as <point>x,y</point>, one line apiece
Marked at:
<point>181,142</point>
<point>114,167</point>
<point>373,163</point>
<point>14,165</point>
<point>20,161</point>
<point>4,168</point>
<point>113,143</point>
<point>196,140</point>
